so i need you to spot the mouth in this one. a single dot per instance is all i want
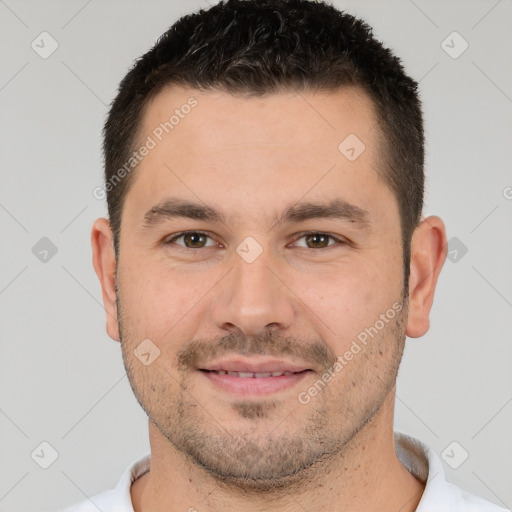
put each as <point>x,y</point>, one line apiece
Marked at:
<point>245,377</point>
<point>248,375</point>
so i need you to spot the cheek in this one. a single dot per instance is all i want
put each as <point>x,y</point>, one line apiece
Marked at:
<point>157,299</point>
<point>349,300</point>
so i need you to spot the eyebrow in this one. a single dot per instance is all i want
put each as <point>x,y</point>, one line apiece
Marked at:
<point>172,208</point>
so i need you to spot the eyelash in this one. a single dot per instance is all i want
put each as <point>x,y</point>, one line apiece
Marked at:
<point>300,235</point>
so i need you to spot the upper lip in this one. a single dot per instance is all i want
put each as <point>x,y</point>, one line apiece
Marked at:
<point>265,365</point>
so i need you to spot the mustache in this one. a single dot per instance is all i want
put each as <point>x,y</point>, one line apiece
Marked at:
<point>199,352</point>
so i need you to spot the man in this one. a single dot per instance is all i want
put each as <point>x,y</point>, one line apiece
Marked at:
<point>264,259</point>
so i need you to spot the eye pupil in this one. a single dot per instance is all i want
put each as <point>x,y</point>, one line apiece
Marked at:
<point>317,236</point>
<point>195,236</point>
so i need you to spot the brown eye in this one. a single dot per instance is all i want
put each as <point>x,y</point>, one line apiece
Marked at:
<point>317,240</point>
<point>191,240</point>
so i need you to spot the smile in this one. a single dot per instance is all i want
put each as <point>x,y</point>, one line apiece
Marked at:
<point>247,375</point>
<point>253,384</point>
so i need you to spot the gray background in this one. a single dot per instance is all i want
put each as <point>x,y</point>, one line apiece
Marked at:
<point>61,377</point>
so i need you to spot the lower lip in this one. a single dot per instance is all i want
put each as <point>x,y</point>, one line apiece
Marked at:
<point>254,385</point>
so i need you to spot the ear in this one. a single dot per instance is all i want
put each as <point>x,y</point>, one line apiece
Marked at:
<point>428,254</point>
<point>104,262</point>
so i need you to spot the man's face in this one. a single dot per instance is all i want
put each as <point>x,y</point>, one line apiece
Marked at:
<point>254,295</point>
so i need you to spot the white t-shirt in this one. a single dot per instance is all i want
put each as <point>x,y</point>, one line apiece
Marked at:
<point>438,496</point>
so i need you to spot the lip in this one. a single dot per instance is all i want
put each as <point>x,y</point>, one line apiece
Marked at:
<point>261,365</point>
<point>254,386</point>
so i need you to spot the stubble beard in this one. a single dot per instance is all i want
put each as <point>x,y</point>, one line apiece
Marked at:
<point>286,455</point>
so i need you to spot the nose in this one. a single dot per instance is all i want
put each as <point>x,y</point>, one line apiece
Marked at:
<point>253,298</point>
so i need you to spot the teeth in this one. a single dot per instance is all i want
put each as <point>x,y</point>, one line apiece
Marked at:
<point>245,375</point>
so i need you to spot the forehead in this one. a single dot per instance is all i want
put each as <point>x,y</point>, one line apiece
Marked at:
<point>205,118</point>
<point>254,152</point>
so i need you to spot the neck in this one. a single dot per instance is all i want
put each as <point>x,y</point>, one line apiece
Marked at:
<point>365,475</point>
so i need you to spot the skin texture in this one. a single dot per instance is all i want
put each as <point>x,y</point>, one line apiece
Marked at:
<point>303,300</point>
